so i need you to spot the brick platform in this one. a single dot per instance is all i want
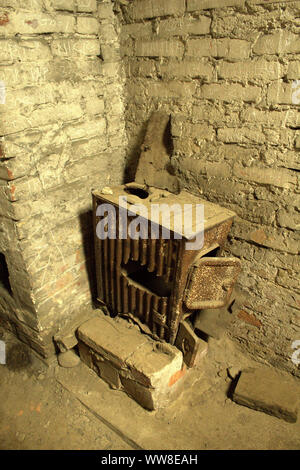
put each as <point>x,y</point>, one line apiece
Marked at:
<point>149,371</point>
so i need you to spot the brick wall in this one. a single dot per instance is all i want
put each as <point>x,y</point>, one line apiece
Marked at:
<point>62,128</point>
<point>228,72</point>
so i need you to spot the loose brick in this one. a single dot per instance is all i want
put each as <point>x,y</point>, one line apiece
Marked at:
<point>265,390</point>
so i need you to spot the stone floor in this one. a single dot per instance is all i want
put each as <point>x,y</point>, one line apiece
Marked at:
<point>54,408</point>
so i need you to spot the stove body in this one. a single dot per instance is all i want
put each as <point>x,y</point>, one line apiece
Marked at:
<point>158,280</point>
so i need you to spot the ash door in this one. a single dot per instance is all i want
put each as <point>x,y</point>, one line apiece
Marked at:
<point>210,282</point>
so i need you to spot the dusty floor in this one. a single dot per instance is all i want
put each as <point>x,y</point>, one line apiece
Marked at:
<point>53,408</point>
<point>36,412</point>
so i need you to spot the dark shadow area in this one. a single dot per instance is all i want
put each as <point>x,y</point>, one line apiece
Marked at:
<point>140,275</point>
<point>167,139</point>
<point>4,274</point>
<point>232,386</point>
<point>87,232</point>
<point>76,350</point>
<point>133,157</point>
<point>212,254</point>
<point>141,193</point>
<point>205,337</point>
<point>18,357</point>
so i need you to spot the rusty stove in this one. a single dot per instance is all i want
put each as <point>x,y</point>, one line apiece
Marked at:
<point>158,281</point>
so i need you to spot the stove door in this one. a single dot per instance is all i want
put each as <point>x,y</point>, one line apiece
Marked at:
<point>210,282</point>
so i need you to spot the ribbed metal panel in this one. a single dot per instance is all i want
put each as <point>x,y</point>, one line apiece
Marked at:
<point>121,294</point>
